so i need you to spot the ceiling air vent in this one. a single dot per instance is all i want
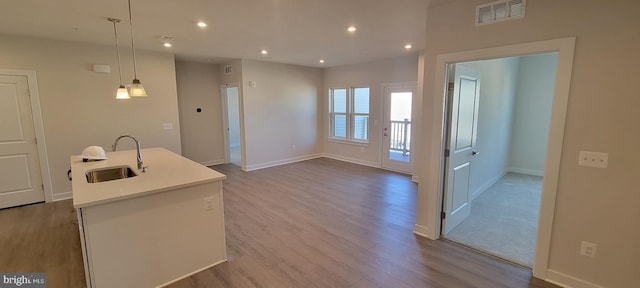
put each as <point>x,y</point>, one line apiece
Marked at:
<point>500,11</point>
<point>228,69</point>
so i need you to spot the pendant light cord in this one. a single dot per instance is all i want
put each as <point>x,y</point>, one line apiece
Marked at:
<point>133,49</point>
<point>115,32</point>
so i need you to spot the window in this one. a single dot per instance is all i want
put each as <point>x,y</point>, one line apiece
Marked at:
<point>349,114</point>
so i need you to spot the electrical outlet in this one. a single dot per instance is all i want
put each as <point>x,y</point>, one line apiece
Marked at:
<point>167,126</point>
<point>588,249</point>
<point>294,147</point>
<point>208,203</point>
<point>593,159</point>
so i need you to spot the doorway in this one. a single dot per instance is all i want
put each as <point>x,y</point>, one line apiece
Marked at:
<point>429,225</point>
<point>396,134</point>
<point>491,199</point>
<point>22,153</point>
<point>233,142</point>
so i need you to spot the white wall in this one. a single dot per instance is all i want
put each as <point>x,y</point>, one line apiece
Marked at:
<point>596,205</point>
<point>79,108</point>
<point>498,83</point>
<point>532,113</point>
<point>201,132</point>
<point>372,75</point>
<point>280,113</point>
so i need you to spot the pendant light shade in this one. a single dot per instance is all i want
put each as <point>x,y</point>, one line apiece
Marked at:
<point>135,89</point>
<point>122,92</point>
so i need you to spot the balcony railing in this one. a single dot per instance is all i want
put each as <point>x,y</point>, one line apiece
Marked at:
<point>400,136</point>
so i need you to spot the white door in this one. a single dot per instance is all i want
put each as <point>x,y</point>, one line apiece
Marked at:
<point>396,128</point>
<point>20,179</point>
<point>463,124</point>
<point>232,124</point>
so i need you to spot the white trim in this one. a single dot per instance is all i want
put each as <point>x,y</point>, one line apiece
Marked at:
<point>415,178</point>
<point>213,162</point>
<point>486,185</point>
<point>36,111</point>
<point>568,281</point>
<point>348,142</point>
<point>280,162</point>
<point>434,167</point>
<point>351,160</point>
<point>225,122</point>
<point>424,231</point>
<point>192,273</point>
<point>526,171</point>
<point>62,196</point>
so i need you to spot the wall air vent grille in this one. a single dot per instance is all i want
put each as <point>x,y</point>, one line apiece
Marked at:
<point>228,69</point>
<point>500,11</point>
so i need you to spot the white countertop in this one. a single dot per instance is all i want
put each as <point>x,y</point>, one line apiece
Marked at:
<point>166,171</point>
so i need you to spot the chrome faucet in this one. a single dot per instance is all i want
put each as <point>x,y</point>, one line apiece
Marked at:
<point>115,145</point>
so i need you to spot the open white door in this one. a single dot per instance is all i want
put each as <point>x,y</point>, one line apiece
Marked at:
<point>463,124</point>
<point>396,134</point>
<point>231,108</point>
<point>20,179</point>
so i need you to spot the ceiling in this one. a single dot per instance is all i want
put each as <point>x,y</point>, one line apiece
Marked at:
<point>292,31</point>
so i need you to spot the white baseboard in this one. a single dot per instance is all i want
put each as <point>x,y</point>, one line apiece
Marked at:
<point>526,171</point>
<point>568,281</point>
<point>280,162</point>
<point>415,179</point>
<point>486,185</point>
<point>213,162</point>
<point>352,160</point>
<point>424,232</point>
<point>62,196</point>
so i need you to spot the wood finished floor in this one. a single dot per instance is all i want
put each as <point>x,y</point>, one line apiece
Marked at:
<point>318,223</point>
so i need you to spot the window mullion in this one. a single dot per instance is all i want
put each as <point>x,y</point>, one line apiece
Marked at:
<point>350,110</point>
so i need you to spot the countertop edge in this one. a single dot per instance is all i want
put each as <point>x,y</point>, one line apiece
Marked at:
<point>154,191</point>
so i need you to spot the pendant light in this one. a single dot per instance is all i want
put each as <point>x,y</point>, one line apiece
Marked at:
<point>135,89</point>
<point>121,93</point>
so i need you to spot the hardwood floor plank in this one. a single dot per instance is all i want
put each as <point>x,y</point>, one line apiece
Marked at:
<point>318,223</point>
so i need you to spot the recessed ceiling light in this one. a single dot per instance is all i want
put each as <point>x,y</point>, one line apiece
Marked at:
<point>352,29</point>
<point>264,52</point>
<point>321,60</point>
<point>408,46</point>
<point>167,44</point>
<point>202,24</point>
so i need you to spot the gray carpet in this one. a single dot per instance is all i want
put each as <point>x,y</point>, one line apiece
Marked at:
<point>504,219</point>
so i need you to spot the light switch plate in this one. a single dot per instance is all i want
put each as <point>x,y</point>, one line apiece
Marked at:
<point>588,249</point>
<point>167,126</point>
<point>208,204</point>
<point>593,159</point>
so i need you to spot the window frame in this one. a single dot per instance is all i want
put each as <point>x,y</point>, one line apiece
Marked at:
<point>350,116</point>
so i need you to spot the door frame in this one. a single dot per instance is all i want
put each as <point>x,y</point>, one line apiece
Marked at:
<point>225,122</point>
<point>565,48</point>
<point>38,125</point>
<point>384,88</point>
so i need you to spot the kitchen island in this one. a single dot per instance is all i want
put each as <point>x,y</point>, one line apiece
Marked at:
<point>153,228</point>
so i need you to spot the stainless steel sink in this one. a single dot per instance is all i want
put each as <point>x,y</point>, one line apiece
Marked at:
<point>109,174</point>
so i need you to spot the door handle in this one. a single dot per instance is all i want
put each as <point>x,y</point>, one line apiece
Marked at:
<point>385,134</point>
<point>474,153</point>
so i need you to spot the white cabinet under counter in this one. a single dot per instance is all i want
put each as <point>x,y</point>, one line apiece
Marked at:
<point>151,229</point>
